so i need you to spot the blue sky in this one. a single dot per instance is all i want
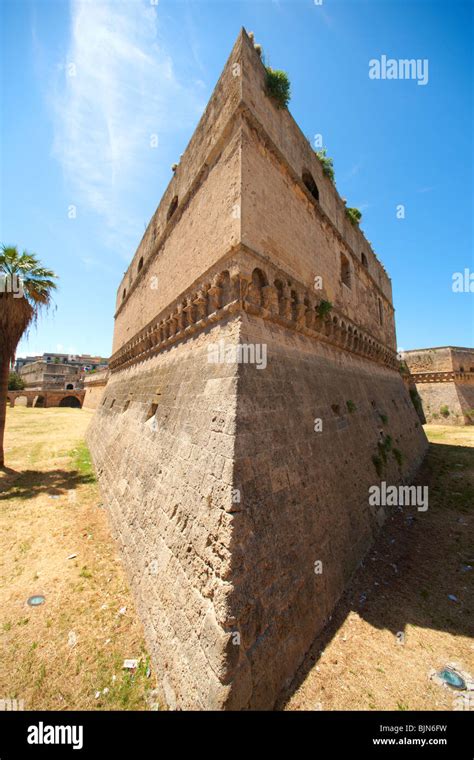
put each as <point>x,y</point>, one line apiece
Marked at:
<point>99,99</point>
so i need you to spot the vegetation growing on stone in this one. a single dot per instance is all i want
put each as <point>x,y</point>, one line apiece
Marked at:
<point>354,215</point>
<point>384,446</point>
<point>324,307</point>
<point>398,456</point>
<point>278,86</point>
<point>327,163</point>
<point>351,407</point>
<point>378,465</point>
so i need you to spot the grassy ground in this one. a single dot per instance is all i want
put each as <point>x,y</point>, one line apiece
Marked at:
<point>396,622</point>
<point>375,654</point>
<point>69,652</point>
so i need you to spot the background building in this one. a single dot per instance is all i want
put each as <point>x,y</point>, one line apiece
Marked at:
<point>58,371</point>
<point>444,380</point>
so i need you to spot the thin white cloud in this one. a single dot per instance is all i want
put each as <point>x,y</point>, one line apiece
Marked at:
<point>353,171</point>
<point>116,89</point>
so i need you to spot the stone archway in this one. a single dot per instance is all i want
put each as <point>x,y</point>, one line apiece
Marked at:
<point>70,401</point>
<point>39,402</point>
<point>21,401</point>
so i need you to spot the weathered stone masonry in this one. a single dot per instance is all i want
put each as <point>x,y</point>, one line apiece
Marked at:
<point>444,381</point>
<point>221,492</point>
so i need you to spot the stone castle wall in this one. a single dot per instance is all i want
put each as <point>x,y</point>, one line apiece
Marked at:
<point>94,388</point>
<point>444,379</point>
<point>241,126</point>
<point>221,490</point>
<point>304,491</point>
<point>448,403</point>
<point>167,477</point>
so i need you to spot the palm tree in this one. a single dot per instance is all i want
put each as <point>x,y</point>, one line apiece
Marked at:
<point>25,287</point>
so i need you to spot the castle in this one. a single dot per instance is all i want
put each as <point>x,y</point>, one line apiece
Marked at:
<point>444,381</point>
<point>253,386</point>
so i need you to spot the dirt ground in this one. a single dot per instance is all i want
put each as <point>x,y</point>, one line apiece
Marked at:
<point>394,624</point>
<point>67,653</point>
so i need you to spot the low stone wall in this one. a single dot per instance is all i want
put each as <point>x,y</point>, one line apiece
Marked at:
<point>94,386</point>
<point>447,403</point>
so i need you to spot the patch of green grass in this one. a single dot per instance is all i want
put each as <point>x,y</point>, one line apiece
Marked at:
<point>82,461</point>
<point>351,407</point>
<point>85,573</point>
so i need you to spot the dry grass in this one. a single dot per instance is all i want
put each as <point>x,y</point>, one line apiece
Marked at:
<point>359,663</point>
<point>49,509</point>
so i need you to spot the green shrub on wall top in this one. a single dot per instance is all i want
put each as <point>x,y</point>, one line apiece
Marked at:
<point>278,87</point>
<point>327,163</point>
<point>354,215</point>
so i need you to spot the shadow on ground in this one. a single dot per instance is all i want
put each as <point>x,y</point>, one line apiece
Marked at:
<point>419,562</point>
<point>30,483</point>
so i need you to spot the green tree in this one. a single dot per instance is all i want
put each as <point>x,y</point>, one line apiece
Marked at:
<point>15,382</point>
<point>25,288</point>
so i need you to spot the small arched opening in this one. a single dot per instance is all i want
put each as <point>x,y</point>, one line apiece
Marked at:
<point>280,294</point>
<point>365,263</point>
<point>310,184</point>
<point>69,387</point>
<point>39,402</point>
<point>70,401</point>
<point>140,264</point>
<point>258,282</point>
<point>345,271</point>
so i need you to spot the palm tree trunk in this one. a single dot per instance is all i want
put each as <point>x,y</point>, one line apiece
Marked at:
<point>4,372</point>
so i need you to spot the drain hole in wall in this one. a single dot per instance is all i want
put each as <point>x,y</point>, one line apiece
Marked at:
<point>336,409</point>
